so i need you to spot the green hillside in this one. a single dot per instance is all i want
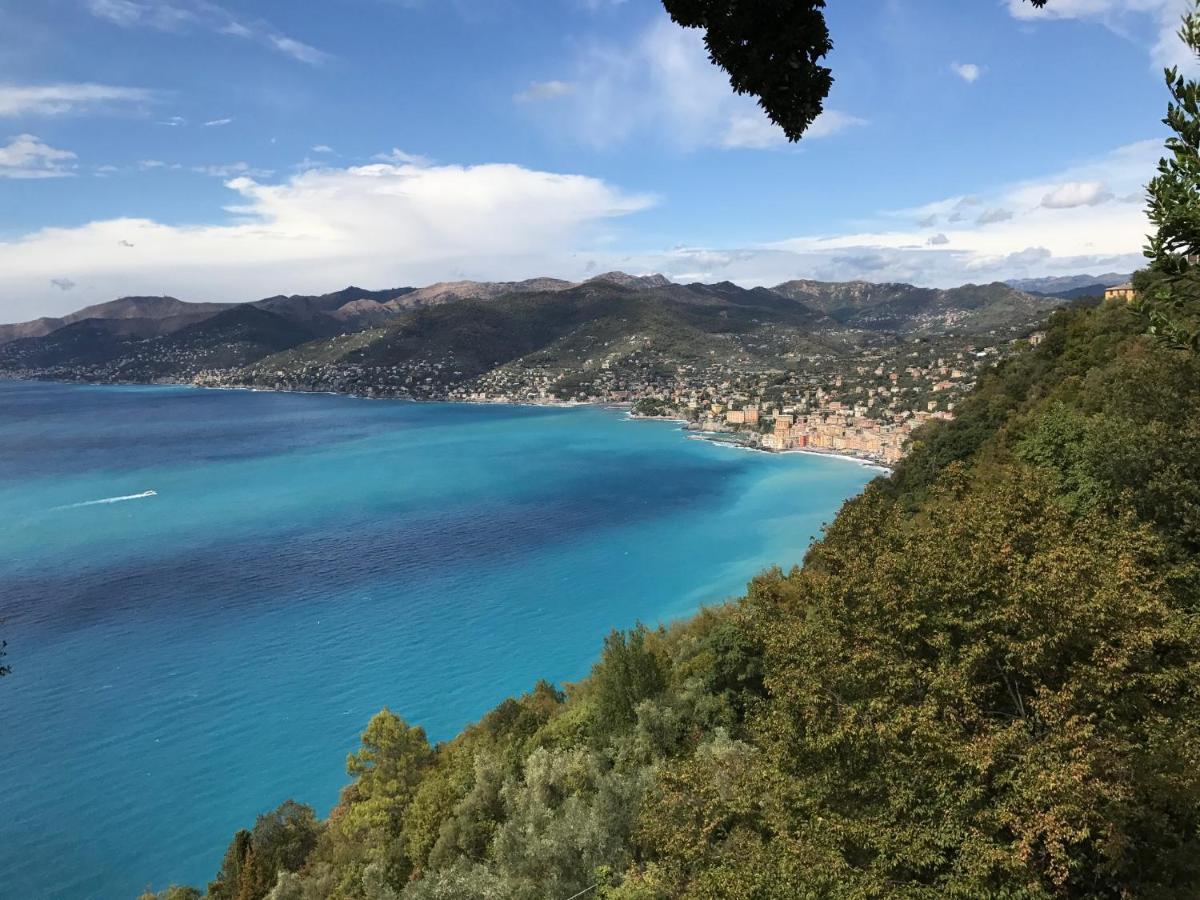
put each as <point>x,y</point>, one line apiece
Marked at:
<point>426,342</point>
<point>566,331</point>
<point>970,309</point>
<point>93,350</point>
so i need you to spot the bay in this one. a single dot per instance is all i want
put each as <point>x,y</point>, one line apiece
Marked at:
<point>207,594</point>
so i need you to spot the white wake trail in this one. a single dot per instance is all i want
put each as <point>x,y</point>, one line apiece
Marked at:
<point>106,500</point>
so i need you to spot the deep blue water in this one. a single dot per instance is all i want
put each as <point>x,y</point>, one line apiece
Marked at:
<point>184,661</point>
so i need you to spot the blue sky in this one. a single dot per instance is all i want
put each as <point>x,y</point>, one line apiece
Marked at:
<point>234,150</point>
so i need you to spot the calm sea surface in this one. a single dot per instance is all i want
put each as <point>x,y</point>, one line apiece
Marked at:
<point>184,661</point>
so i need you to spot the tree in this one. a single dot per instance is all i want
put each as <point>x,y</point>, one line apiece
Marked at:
<point>628,673</point>
<point>389,767</point>
<point>392,758</point>
<point>280,842</point>
<point>1170,292</point>
<point>771,49</point>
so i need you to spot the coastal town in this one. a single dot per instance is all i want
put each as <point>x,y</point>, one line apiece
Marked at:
<point>758,368</point>
<point>866,405</point>
<point>864,402</point>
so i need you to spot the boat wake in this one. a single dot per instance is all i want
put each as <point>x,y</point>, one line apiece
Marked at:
<point>107,500</point>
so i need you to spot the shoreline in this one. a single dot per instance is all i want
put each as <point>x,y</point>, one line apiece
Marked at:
<point>828,454</point>
<point>717,437</point>
<point>625,407</point>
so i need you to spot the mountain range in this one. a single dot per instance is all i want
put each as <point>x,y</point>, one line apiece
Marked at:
<point>461,330</point>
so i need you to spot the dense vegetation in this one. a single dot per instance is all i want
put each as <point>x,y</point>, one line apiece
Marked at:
<point>983,682</point>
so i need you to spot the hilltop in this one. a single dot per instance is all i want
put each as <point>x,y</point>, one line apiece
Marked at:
<point>142,317</point>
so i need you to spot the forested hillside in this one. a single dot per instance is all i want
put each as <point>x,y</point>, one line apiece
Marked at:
<point>981,683</point>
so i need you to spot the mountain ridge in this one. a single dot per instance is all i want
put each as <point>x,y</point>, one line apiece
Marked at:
<point>427,341</point>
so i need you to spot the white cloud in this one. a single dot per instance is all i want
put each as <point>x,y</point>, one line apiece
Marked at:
<point>544,90</point>
<point>25,156</point>
<point>754,130</point>
<point>297,49</point>
<point>396,155</point>
<point>321,229</point>
<point>1123,17</point>
<point>831,122</point>
<point>233,170</point>
<point>63,99</point>
<point>992,216</point>
<point>1017,231</point>
<point>968,72</point>
<point>1077,193</point>
<point>322,148</point>
<point>662,86</point>
<point>217,123</point>
<point>183,15</point>
<point>1022,238</point>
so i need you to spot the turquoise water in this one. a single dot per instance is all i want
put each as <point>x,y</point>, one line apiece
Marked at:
<point>186,659</point>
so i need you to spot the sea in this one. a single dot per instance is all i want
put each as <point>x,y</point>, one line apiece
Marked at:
<point>207,594</point>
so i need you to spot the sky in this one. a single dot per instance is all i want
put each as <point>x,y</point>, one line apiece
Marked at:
<point>235,150</point>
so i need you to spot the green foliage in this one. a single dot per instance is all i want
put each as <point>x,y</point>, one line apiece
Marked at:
<point>995,696</point>
<point>174,892</point>
<point>629,672</point>
<point>280,842</point>
<point>389,767</point>
<point>1169,295</point>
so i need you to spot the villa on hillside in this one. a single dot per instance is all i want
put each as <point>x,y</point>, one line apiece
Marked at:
<point>1120,292</point>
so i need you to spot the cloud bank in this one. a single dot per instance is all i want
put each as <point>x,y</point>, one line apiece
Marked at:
<point>405,220</point>
<point>383,224</point>
<point>26,156</point>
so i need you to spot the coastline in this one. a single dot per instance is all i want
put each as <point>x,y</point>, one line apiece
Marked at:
<point>828,454</point>
<point>727,439</point>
